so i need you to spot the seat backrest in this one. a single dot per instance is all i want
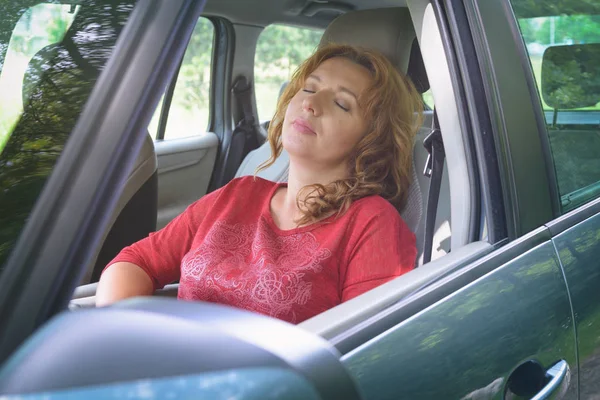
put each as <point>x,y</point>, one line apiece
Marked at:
<point>391,32</point>
<point>71,80</point>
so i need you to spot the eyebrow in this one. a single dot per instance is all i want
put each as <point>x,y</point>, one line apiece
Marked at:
<point>340,88</point>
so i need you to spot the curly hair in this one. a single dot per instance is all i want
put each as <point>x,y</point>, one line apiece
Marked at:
<point>381,162</point>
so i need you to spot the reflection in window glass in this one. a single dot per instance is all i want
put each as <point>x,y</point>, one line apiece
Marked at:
<point>56,55</point>
<point>279,51</point>
<point>563,44</point>
<point>189,113</point>
<point>38,27</point>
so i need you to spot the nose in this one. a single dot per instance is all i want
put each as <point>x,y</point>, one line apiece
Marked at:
<point>311,104</point>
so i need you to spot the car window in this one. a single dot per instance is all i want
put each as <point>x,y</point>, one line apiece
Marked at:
<point>279,51</point>
<point>189,111</point>
<point>428,99</point>
<point>50,58</point>
<point>563,44</point>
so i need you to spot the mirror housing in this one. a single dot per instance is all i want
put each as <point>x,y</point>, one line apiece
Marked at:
<point>152,338</point>
<point>571,76</point>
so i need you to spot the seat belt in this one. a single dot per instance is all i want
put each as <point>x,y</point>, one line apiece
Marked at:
<point>434,167</point>
<point>242,91</point>
<point>244,137</point>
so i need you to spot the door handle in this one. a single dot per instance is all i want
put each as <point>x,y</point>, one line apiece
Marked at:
<point>559,375</point>
<point>532,381</point>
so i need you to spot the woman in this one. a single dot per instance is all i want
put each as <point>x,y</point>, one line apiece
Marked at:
<point>294,250</point>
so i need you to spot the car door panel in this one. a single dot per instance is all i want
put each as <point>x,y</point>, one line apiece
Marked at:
<point>466,345</point>
<point>184,170</point>
<point>578,248</point>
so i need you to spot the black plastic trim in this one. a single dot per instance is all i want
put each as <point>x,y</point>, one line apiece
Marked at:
<point>66,225</point>
<point>462,103</point>
<point>481,125</point>
<point>540,118</point>
<point>522,165</point>
<point>222,124</point>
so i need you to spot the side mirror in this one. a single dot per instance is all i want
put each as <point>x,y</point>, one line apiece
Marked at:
<point>150,340</point>
<point>571,76</point>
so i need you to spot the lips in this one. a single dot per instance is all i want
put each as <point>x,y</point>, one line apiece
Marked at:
<point>303,126</point>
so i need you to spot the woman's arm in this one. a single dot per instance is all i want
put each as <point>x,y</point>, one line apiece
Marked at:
<point>120,281</point>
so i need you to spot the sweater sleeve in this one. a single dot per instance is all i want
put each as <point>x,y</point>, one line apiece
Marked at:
<point>385,249</point>
<point>161,253</point>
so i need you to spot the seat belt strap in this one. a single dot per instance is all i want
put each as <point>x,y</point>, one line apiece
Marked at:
<point>242,92</point>
<point>434,167</point>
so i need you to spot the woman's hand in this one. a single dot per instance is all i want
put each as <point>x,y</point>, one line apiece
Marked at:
<point>120,281</point>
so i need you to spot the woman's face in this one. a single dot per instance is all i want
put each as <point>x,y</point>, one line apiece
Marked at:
<point>323,122</point>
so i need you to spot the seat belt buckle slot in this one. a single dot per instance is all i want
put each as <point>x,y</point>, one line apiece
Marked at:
<point>428,166</point>
<point>434,136</point>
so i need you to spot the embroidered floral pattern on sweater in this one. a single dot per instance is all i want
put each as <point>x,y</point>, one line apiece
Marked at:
<point>251,267</point>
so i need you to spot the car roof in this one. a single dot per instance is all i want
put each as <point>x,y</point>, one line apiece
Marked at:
<point>292,12</point>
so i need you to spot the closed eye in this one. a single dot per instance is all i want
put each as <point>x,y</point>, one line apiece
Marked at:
<point>308,91</point>
<point>342,107</point>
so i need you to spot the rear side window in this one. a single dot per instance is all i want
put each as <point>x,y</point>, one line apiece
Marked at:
<point>563,44</point>
<point>279,51</point>
<point>50,58</point>
<point>189,107</point>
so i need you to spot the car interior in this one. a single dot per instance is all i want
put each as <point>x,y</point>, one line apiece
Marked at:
<point>171,174</point>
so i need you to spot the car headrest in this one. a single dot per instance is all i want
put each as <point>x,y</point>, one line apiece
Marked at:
<point>387,30</point>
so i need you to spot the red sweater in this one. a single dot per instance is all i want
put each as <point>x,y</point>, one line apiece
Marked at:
<point>225,248</point>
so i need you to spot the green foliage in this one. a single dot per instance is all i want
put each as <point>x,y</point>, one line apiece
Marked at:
<point>564,28</point>
<point>57,83</point>
<point>193,82</point>
<point>281,49</point>
<point>567,29</point>
<point>536,8</point>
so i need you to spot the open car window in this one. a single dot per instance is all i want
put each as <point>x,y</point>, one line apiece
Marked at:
<point>564,52</point>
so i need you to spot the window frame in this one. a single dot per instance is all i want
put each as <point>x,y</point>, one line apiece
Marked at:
<point>170,91</point>
<point>562,204</point>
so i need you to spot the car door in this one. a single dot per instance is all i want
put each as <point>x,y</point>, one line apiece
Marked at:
<point>568,76</point>
<point>501,327</point>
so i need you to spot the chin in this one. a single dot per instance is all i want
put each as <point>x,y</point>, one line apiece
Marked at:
<point>293,141</point>
<point>296,149</point>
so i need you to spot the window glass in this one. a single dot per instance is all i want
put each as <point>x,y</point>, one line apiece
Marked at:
<point>428,99</point>
<point>279,51</point>
<point>189,113</point>
<point>563,44</point>
<point>50,58</point>
<point>38,27</point>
